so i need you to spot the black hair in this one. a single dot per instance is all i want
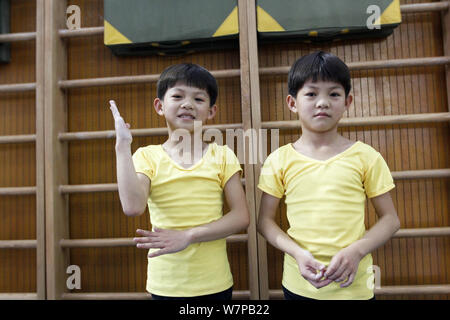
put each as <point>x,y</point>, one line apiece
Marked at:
<point>318,66</point>
<point>189,74</point>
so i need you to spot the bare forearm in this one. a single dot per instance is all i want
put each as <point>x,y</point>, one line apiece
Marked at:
<point>378,235</point>
<point>278,238</point>
<point>130,191</point>
<point>231,223</point>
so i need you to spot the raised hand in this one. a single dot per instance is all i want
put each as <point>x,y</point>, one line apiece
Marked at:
<point>123,133</point>
<point>168,241</point>
<point>311,269</point>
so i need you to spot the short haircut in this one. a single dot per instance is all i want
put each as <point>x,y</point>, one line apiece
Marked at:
<point>317,66</point>
<point>189,74</point>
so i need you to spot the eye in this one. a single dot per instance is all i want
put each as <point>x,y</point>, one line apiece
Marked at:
<point>335,94</point>
<point>199,99</point>
<point>176,96</point>
<point>310,94</point>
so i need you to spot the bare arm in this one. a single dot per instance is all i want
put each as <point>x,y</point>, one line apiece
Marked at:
<point>237,219</point>
<point>344,264</point>
<point>170,241</point>
<point>387,224</point>
<point>133,187</point>
<point>309,267</point>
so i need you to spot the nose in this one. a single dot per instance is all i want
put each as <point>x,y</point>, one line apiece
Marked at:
<point>322,103</point>
<point>186,104</point>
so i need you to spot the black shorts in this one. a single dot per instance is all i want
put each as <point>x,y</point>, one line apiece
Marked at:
<point>288,295</point>
<point>223,295</point>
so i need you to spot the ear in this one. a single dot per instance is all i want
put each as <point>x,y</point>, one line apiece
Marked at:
<point>348,101</point>
<point>212,112</point>
<point>291,103</point>
<point>158,105</point>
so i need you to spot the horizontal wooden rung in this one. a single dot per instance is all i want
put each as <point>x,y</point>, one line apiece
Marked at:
<point>368,121</point>
<point>376,64</point>
<point>424,7</point>
<point>391,290</point>
<point>282,125</point>
<point>23,138</point>
<point>128,242</point>
<point>421,174</point>
<point>18,296</point>
<point>122,80</point>
<point>111,187</point>
<point>18,36</point>
<point>422,232</point>
<point>18,244</point>
<point>418,289</point>
<point>17,87</point>
<point>100,187</point>
<point>92,31</point>
<point>88,188</point>
<point>123,242</point>
<point>111,134</point>
<point>16,191</point>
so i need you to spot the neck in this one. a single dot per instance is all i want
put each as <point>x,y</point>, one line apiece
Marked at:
<point>186,141</point>
<point>319,139</point>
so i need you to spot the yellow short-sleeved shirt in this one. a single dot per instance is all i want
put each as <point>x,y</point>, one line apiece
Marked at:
<point>325,208</point>
<point>183,198</point>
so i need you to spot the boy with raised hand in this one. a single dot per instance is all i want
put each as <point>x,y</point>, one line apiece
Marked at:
<point>183,182</point>
<point>325,178</point>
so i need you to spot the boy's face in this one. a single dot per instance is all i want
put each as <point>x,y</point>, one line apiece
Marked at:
<point>320,105</point>
<point>182,105</point>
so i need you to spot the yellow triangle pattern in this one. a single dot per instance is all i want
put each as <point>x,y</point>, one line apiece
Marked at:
<point>229,26</point>
<point>391,14</point>
<point>113,36</point>
<point>266,23</point>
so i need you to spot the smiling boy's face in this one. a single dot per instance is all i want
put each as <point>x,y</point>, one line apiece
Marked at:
<point>320,105</point>
<point>182,105</point>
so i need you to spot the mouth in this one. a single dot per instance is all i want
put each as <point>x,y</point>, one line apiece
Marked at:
<point>322,114</point>
<point>186,116</point>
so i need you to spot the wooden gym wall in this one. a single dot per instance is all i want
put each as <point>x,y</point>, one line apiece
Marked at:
<point>400,107</point>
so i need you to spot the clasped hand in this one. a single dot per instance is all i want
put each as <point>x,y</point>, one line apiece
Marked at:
<point>168,241</point>
<point>342,268</point>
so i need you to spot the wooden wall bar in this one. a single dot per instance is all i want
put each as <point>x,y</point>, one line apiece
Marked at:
<point>22,264</point>
<point>420,203</point>
<point>401,107</point>
<point>99,215</point>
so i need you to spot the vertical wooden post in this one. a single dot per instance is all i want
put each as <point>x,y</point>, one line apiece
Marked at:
<point>247,124</point>
<point>56,159</point>
<point>445,16</point>
<point>256,123</point>
<point>40,161</point>
<point>251,114</point>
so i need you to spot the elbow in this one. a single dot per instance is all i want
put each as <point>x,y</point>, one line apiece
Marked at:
<point>133,212</point>
<point>246,221</point>
<point>396,224</point>
<point>259,226</point>
<point>243,222</point>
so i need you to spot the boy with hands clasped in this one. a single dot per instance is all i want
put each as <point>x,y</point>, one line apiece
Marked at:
<point>183,182</point>
<point>325,178</point>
